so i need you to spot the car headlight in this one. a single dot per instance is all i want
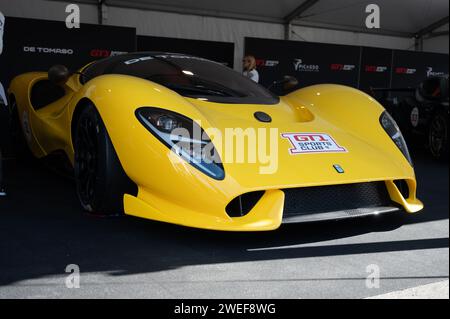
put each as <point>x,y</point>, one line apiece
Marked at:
<point>184,137</point>
<point>392,129</point>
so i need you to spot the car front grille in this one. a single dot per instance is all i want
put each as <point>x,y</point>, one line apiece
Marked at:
<point>323,199</point>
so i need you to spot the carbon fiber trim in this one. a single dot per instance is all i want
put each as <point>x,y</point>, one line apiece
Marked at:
<point>337,215</point>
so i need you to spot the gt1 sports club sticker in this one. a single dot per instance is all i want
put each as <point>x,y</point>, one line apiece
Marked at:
<point>312,143</point>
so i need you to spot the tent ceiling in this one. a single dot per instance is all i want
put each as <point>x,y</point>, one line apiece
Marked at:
<point>399,17</point>
<point>407,16</point>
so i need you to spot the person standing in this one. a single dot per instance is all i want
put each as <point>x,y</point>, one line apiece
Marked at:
<point>250,71</point>
<point>2,28</point>
<point>3,100</point>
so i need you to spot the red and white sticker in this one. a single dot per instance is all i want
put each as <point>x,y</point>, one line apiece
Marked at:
<point>312,143</point>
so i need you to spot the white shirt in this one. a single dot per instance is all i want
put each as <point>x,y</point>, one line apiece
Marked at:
<point>252,75</point>
<point>2,27</point>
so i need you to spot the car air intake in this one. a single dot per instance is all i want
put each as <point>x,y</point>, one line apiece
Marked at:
<point>323,199</point>
<point>242,205</point>
<point>402,187</point>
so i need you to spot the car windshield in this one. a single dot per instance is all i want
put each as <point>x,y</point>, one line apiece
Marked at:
<point>189,76</point>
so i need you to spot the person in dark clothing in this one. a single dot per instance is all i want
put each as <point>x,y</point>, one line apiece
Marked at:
<point>2,102</point>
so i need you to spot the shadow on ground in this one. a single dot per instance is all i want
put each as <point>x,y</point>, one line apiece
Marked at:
<point>43,229</point>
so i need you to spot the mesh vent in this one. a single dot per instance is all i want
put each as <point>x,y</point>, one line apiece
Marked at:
<point>323,199</point>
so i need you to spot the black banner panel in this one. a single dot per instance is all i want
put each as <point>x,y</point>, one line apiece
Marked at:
<point>411,68</point>
<point>222,52</point>
<point>311,63</point>
<point>376,68</point>
<point>36,45</point>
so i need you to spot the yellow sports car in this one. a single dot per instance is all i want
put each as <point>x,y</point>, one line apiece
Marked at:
<point>184,140</point>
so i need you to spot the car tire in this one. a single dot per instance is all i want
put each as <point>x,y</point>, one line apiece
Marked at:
<point>438,135</point>
<point>100,179</point>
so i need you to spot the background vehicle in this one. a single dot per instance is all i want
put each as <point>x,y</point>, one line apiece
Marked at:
<point>422,113</point>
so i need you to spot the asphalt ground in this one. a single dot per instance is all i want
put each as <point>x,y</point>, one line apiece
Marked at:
<point>43,230</point>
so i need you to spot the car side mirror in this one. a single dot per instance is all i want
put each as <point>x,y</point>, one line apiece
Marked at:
<point>59,74</point>
<point>290,82</point>
<point>286,83</point>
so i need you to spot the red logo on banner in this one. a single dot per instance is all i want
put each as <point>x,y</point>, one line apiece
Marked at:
<point>376,69</point>
<point>342,67</point>
<point>405,71</point>
<point>267,63</point>
<point>97,53</point>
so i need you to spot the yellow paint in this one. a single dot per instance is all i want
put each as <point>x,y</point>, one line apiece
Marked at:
<point>176,192</point>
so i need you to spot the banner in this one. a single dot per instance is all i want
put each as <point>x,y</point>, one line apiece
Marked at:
<point>36,45</point>
<point>376,68</point>
<point>222,52</point>
<point>411,68</point>
<point>311,63</point>
<point>359,67</point>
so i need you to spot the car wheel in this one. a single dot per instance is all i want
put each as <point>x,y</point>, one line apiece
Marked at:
<point>100,179</point>
<point>438,136</point>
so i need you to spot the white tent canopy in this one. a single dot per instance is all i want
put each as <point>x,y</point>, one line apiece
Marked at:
<point>403,18</point>
<point>405,24</point>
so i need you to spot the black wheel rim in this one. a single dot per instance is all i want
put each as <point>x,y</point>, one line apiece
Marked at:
<point>438,132</point>
<point>86,161</point>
